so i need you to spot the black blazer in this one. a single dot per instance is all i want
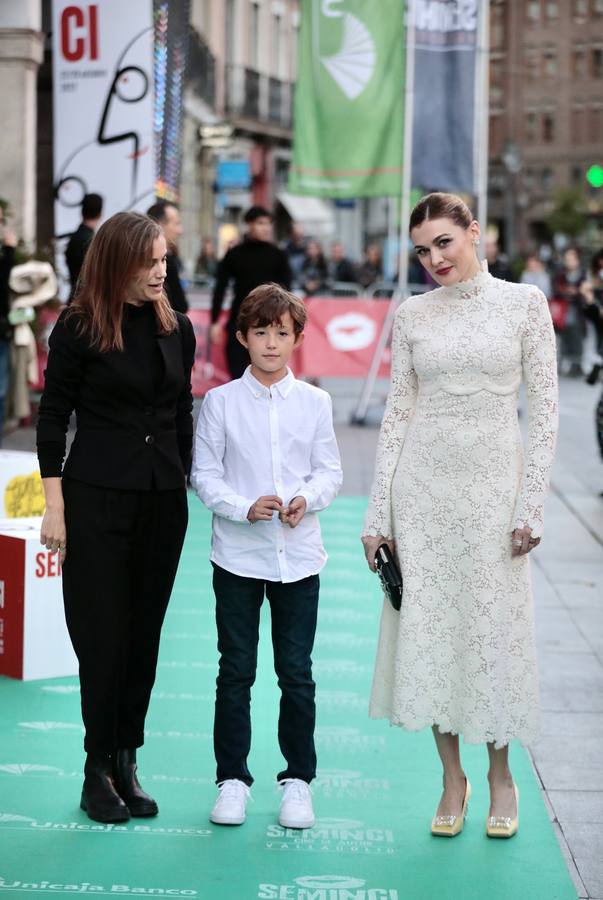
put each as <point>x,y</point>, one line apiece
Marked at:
<point>133,431</point>
<point>76,251</point>
<point>173,285</point>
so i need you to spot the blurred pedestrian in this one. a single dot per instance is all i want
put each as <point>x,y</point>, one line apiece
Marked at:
<point>207,261</point>
<point>566,287</point>
<point>256,260</point>
<point>498,265</point>
<point>92,210</point>
<point>167,215</point>
<point>371,268</point>
<point>32,284</point>
<point>8,242</point>
<point>295,248</point>
<point>313,275</point>
<point>340,268</point>
<point>461,510</point>
<point>117,510</point>
<point>536,274</point>
<point>592,293</point>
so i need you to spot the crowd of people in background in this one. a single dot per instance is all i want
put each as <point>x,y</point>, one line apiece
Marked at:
<point>571,280</point>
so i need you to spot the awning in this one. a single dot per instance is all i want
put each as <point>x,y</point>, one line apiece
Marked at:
<point>316,216</point>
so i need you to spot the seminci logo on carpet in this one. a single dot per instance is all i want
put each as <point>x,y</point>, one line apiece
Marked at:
<point>333,836</point>
<point>326,887</point>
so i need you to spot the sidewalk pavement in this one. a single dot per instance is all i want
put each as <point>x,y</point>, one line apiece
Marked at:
<point>568,582</point>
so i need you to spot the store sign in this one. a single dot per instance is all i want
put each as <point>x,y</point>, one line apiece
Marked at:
<point>233,174</point>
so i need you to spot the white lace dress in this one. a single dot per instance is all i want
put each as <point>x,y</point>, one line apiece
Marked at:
<point>450,485</point>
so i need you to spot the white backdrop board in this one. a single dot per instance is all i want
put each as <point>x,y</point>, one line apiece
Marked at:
<point>103,106</point>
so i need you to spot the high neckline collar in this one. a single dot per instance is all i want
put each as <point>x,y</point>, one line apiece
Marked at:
<point>472,285</point>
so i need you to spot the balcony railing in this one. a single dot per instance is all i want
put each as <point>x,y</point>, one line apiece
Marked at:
<point>252,95</point>
<point>201,68</point>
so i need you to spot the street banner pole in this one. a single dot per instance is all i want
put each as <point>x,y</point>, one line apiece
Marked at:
<point>482,113</point>
<point>363,403</point>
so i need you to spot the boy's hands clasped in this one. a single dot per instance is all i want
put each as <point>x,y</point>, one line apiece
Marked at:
<point>264,508</point>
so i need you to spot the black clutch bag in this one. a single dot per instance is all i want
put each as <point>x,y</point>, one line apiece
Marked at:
<point>389,575</point>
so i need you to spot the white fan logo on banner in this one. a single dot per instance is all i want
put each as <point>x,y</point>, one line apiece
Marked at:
<point>353,65</point>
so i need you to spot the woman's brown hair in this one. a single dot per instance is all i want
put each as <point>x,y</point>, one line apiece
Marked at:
<point>441,206</point>
<point>121,247</point>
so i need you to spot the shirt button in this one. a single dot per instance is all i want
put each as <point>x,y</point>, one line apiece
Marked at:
<point>148,410</point>
<point>149,439</point>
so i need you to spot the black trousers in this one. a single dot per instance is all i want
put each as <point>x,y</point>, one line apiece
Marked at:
<point>294,610</point>
<point>123,549</point>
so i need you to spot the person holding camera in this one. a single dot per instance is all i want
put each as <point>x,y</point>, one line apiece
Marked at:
<point>7,260</point>
<point>592,293</point>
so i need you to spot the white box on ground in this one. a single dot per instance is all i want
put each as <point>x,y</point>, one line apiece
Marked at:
<point>34,642</point>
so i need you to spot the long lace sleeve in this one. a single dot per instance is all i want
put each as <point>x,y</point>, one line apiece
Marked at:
<point>540,376</point>
<point>398,411</point>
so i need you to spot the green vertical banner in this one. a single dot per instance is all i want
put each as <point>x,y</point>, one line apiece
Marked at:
<point>349,99</point>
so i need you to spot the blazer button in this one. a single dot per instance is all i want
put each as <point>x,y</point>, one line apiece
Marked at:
<point>149,439</point>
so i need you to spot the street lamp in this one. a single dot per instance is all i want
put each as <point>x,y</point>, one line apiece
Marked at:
<point>512,161</point>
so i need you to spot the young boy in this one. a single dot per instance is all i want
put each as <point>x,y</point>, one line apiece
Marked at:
<point>266,460</point>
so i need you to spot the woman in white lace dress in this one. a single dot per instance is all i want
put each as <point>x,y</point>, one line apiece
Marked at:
<point>463,508</point>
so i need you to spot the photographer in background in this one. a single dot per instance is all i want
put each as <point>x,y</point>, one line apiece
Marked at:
<point>8,242</point>
<point>592,294</point>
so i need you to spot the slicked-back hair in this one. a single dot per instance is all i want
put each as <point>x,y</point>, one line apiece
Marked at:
<point>158,211</point>
<point>441,206</point>
<point>267,304</point>
<point>121,247</point>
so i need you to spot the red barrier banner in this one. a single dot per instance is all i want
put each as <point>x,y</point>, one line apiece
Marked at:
<point>210,367</point>
<point>341,337</point>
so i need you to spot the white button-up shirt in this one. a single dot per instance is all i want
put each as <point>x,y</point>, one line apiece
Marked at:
<point>253,441</point>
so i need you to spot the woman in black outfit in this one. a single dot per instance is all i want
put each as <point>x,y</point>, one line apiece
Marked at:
<point>117,510</point>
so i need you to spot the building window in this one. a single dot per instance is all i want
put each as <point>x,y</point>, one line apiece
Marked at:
<point>528,180</point>
<point>579,62</point>
<point>496,80</point>
<point>494,133</point>
<point>498,21</point>
<point>597,8</point>
<point>550,62</point>
<point>533,10</point>
<point>546,179</point>
<point>254,36</point>
<point>532,63</point>
<point>597,62</point>
<point>578,123</point>
<point>580,10</point>
<point>595,124</point>
<point>548,127</point>
<point>229,32</point>
<point>576,175</point>
<point>552,10</point>
<point>277,45</point>
<point>531,127</point>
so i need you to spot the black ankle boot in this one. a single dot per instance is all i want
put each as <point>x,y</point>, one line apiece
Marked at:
<point>99,797</point>
<point>126,783</point>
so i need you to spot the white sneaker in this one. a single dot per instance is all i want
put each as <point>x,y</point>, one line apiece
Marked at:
<point>229,808</point>
<point>296,805</point>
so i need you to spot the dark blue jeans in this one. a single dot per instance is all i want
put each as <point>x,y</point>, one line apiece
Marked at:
<point>293,608</point>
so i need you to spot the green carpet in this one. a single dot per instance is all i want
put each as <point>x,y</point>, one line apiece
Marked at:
<point>374,796</point>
